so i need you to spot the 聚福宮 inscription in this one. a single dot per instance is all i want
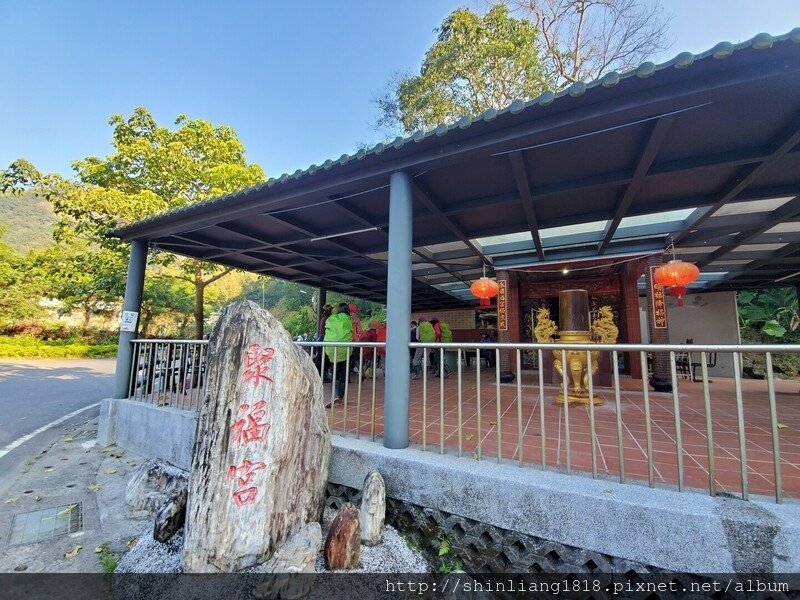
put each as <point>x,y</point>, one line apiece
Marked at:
<point>262,449</point>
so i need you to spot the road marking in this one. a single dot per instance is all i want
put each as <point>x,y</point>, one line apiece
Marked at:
<point>25,438</point>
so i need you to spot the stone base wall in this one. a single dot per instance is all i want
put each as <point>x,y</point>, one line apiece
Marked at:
<point>500,517</point>
<point>483,548</point>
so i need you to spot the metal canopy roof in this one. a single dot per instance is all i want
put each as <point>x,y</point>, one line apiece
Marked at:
<point>701,150</point>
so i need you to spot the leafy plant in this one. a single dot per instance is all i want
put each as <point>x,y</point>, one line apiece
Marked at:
<point>448,563</point>
<point>108,560</point>
<point>772,312</point>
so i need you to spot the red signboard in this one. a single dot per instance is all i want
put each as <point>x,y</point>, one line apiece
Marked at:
<point>659,304</point>
<point>502,313</point>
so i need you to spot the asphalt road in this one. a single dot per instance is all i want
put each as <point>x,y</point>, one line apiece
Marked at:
<point>34,393</point>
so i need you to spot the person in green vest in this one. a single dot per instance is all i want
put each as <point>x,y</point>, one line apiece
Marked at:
<point>338,328</point>
<point>425,335</point>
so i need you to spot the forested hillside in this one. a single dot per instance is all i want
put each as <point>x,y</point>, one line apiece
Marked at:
<point>27,222</point>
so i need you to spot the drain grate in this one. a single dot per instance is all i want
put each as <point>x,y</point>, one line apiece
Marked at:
<point>41,525</point>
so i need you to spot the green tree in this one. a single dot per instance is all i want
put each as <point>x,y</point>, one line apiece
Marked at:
<point>278,296</point>
<point>478,62</point>
<point>18,291</point>
<point>152,168</point>
<point>83,279</point>
<point>165,297</point>
<point>300,321</point>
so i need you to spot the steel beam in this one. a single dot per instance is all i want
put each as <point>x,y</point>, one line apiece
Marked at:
<point>649,152</point>
<point>524,189</point>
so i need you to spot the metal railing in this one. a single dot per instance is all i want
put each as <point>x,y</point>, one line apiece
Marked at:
<point>762,408</point>
<point>695,433</point>
<point>364,360</point>
<point>168,372</point>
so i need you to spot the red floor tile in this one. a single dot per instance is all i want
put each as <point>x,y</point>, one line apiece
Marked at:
<point>514,415</point>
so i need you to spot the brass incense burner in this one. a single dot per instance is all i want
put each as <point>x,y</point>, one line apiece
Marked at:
<point>575,328</point>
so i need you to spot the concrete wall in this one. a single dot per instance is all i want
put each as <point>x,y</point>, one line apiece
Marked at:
<point>158,431</point>
<point>707,319</point>
<point>683,532</point>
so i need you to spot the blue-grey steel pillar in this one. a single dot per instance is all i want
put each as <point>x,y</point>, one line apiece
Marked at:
<point>398,313</point>
<point>133,302</point>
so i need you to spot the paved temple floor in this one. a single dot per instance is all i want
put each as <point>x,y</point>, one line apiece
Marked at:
<point>510,428</point>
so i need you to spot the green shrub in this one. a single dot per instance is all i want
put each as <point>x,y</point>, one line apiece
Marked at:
<point>30,347</point>
<point>51,331</point>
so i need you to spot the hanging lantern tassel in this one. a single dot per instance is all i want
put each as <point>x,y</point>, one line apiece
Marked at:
<point>678,291</point>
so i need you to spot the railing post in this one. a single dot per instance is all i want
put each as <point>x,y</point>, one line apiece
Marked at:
<point>132,303</point>
<point>398,312</point>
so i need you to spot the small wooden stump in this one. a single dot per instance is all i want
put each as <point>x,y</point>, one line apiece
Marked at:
<point>260,462</point>
<point>343,544</point>
<point>373,509</point>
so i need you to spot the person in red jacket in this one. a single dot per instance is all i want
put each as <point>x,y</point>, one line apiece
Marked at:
<point>357,330</point>
<point>437,332</point>
<point>370,335</point>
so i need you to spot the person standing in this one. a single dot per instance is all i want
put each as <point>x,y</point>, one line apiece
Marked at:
<point>425,335</point>
<point>326,312</point>
<point>320,336</point>
<point>358,331</point>
<point>338,328</point>
<point>412,339</point>
<point>437,337</point>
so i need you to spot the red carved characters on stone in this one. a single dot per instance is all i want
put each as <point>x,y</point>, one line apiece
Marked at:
<point>251,429</point>
<point>243,476</point>
<point>256,363</point>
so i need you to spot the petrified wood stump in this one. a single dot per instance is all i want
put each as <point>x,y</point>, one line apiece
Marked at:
<point>343,544</point>
<point>373,509</point>
<point>262,449</point>
<point>152,485</point>
<point>171,517</point>
<point>298,554</point>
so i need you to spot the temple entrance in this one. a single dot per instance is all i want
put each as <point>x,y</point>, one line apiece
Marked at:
<point>536,292</point>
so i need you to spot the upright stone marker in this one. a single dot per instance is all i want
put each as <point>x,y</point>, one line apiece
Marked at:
<point>373,509</point>
<point>260,462</point>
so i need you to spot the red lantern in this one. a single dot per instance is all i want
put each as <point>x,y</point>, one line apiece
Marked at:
<point>675,275</point>
<point>484,288</point>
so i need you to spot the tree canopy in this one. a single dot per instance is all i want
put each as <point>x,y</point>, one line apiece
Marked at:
<point>152,168</point>
<point>519,49</point>
<point>477,62</point>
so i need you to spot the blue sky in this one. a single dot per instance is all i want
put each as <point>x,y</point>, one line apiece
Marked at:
<point>294,79</point>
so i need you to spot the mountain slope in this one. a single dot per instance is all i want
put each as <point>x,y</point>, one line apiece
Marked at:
<point>27,222</point>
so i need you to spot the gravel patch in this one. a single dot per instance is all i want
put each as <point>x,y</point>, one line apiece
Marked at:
<point>149,556</point>
<point>392,555</point>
